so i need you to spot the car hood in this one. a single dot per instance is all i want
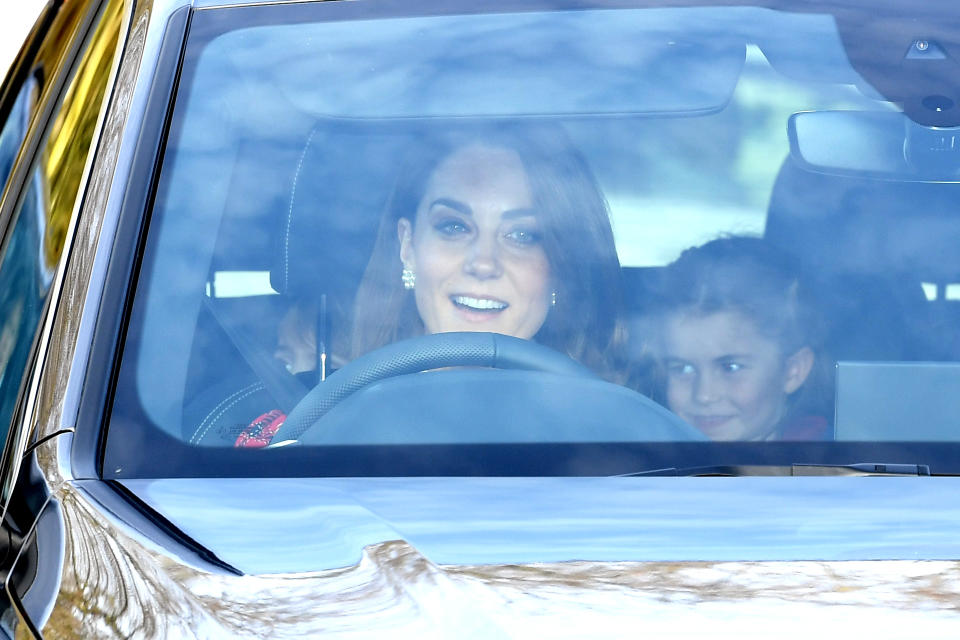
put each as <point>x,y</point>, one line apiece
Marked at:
<point>492,558</point>
<point>268,526</point>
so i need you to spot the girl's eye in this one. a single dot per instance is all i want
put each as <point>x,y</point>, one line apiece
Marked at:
<point>451,227</point>
<point>523,237</point>
<point>731,367</point>
<point>680,369</point>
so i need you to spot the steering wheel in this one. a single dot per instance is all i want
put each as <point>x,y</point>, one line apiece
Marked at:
<point>435,351</point>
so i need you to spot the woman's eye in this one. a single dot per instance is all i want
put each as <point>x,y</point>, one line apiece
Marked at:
<point>451,228</point>
<point>732,367</point>
<point>523,237</point>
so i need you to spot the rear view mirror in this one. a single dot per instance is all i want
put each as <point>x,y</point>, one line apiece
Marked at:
<point>886,145</point>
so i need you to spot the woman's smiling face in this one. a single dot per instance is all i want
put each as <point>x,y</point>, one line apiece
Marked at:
<point>475,245</point>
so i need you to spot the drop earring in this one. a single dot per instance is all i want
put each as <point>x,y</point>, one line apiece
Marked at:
<point>409,278</point>
<point>553,299</point>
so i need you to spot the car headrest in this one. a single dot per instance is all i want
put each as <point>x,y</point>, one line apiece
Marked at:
<point>845,223</point>
<point>870,244</point>
<point>340,185</point>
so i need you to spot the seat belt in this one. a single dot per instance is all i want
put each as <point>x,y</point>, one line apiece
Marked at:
<point>283,386</point>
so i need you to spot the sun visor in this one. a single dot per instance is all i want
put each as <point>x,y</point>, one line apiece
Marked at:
<point>594,62</point>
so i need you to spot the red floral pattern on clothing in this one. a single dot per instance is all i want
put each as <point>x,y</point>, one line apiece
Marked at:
<point>261,431</point>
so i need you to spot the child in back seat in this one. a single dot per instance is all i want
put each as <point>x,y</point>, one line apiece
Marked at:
<point>738,343</point>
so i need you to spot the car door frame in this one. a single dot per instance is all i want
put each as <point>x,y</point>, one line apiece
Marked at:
<point>50,104</point>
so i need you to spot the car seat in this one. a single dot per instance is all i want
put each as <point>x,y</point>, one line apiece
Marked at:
<point>321,238</point>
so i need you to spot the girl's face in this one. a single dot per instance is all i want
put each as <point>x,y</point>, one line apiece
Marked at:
<point>475,245</point>
<point>726,378</point>
<point>296,345</point>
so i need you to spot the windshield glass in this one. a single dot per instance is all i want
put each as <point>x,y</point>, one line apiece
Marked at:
<point>596,240</point>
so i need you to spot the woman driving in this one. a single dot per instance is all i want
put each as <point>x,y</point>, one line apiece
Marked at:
<point>500,229</point>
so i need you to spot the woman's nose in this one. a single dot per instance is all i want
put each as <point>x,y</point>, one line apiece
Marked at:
<point>482,259</point>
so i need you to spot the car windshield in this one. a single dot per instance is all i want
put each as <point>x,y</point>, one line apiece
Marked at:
<point>590,239</point>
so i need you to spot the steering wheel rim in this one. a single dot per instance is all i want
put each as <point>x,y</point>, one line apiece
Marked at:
<point>423,353</point>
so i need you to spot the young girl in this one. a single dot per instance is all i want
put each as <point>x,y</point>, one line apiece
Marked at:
<point>739,344</point>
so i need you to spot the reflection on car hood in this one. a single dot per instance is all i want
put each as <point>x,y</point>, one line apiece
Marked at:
<point>519,558</point>
<point>395,592</point>
<point>268,526</point>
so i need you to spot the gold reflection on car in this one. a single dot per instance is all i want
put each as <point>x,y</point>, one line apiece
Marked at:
<point>65,155</point>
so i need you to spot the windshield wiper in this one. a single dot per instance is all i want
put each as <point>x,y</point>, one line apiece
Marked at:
<point>856,469</point>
